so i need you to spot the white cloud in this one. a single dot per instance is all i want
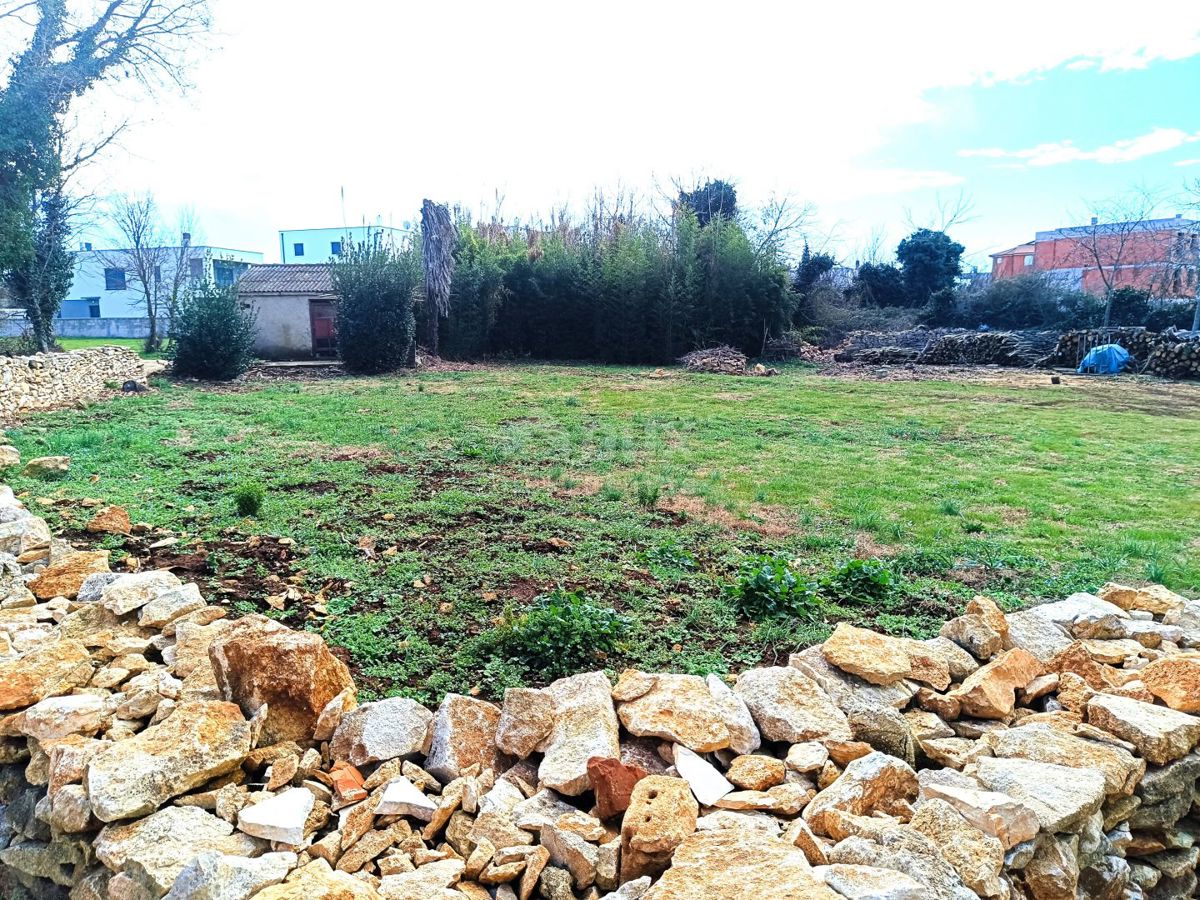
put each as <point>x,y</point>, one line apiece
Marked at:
<point>1158,140</point>
<point>1188,162</point>
<point>394,101</point>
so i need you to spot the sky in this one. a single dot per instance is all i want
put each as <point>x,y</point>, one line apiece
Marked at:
<point>306,114</point>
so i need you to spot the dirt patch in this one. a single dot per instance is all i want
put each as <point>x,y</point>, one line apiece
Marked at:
<point>353,454</point>
<point>769,521</point>
<point>866,547</point>
<point>569,485</point>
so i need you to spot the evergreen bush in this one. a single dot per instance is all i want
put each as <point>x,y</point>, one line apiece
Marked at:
<point>377,288</point>
<point>212,336</point>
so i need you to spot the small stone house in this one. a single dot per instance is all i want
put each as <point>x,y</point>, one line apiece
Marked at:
<point>295,309</point>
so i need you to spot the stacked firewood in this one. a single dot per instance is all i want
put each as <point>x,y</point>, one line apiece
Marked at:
<point>977,348</point>
<point>1176,355</point>
<point>1073,346</point>
<point>1167,354</point>
<point>879,356</point>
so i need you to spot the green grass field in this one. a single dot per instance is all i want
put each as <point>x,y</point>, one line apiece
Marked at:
<point>84,343</point>
<point>428,511</point>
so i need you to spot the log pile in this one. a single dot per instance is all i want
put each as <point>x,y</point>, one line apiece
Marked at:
<point>1175,355</point>
<point>722,360</point>
<point>977,348</point>
<point>946,348</point>
<point>150,746</point>
<point>1167,354</point>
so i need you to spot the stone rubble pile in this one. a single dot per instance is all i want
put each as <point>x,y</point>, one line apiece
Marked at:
<point>152,747</point>
<point>52,380</point>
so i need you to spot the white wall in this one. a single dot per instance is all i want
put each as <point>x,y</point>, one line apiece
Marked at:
<point>317,241</point>
<point>89,278</point>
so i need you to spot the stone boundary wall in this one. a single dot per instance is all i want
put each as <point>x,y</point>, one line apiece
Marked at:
<point>152,747</point>
<point>51,380</point>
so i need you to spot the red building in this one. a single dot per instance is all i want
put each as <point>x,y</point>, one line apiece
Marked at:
<point>1161,256</point>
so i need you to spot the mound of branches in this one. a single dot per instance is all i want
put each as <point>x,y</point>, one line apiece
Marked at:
<point>879,356</point>
<point>723,360</point>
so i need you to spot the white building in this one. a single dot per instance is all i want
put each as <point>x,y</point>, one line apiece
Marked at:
<point>104,287</point>
<point>320,245</point>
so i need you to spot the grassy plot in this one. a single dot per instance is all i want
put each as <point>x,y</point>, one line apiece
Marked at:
<point>423,516</point>
<point>86,343</point>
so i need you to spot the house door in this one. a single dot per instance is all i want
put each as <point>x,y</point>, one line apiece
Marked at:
<point>322,315</point>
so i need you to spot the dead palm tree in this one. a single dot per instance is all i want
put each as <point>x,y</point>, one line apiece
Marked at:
<point>438,240</point>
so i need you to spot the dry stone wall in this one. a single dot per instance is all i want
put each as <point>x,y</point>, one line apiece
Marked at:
<point>150,747</point>
<point>52,380</point>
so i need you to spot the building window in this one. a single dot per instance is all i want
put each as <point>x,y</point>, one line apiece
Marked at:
<point>114,279</point>
<point>335,247</point>
<point>1029,259</point>
<point>196,269</point>
<point>93,307</point>
<point>297,249</point>
<point>227,272</point>
<point>158,274</point>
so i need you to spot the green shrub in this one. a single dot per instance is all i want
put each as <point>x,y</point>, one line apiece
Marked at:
<point>862,580</point>
<point>648,494</point>
<point>377,288</point>
<point>212,336</point>
<point>248,497</point>
<point>562,633</point>
<point>768,587</point>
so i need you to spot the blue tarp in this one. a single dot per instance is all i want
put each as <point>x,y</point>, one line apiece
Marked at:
<point>1107,359</point>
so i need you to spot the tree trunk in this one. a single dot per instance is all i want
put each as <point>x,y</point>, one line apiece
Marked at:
<point>430,322</point>
<point>1196,312</point>
<point>152,335</point>
<point>1108,301</point>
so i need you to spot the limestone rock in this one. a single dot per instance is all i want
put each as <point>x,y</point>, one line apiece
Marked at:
<point>197,742</point>
<point>9,456</point>
<point>789,706</point>
<point>424,883</point>
<point>743,733</point>
<point>990,692</point>
<point>217,876</point>
<point>1153,599</point>
<point>585,725</point>
<point>57,717</point>
<point>47,467</point>
<point>280,818</point>
<point>905,850</point>
<point>705,781</point>
<point>571,852</point>
<point>1160,734</point>
<point>973,634</point>
<point>662,812</point>
<point>873,657</point>
<point>1035,632</point>
<point>1008,820</point>
<point>170,605</point>
<point>978,858</point>
<point>401,798</point>
<point>869,882</point>
<point>1043,743</point>
<point>738,865</point>
<point>64,577</point>
<point>849,691</point>
<point>1175,681</point>
<point>756,773</point>
<point>875,783</point>
<point>463,734</point>
<point>1053,873</point>
<point>153,851</point>
<point>382,730</point>
<point>317,881</point>
<point>1061,797</point>
<point>110,520</point>
<point>50,669</point>
<point>525,720</point>
<point>678,708</point>
<point>130,592</point>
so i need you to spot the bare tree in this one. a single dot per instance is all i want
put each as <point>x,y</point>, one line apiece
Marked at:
<point>1118,237</point>
<point>781,221</point>
<point>177,279</point>
<point>143,259</point>
<point>946,213</point>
